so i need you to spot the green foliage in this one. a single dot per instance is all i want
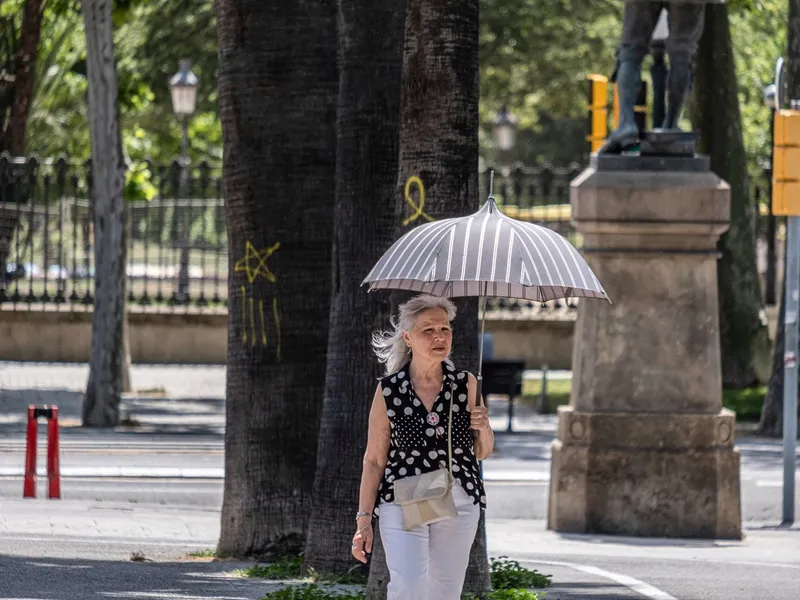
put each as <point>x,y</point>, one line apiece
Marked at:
<point>291,567</point>
<point>288,568</point>
<point>746,403</point>
<point>509,574</point>
<point>513,594</point>
<point>312,592</point>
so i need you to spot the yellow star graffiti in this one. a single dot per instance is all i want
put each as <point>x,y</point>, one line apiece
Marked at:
<point>254,263</point>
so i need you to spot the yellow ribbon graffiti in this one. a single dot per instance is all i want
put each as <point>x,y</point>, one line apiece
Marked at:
<point>418,212</point>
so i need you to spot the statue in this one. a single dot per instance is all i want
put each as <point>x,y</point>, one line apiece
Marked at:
<point>686,20</point>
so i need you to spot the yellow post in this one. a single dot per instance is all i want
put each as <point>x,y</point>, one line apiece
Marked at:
<point>598,110</point>
<point>786,164</point>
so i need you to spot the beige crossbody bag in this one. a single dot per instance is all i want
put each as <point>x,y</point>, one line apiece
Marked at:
<point>428,498</point>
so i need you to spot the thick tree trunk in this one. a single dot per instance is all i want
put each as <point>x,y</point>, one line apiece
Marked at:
<point>278,86</point>
<point>743,336</point>
<point>13,133</point>
<point>24,72</point>
<point>771,422</point>
<point>106,363</point>
<point>370,59</point>
<point>439,145</point>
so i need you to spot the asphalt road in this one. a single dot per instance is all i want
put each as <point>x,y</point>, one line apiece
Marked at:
<point>174,470</point>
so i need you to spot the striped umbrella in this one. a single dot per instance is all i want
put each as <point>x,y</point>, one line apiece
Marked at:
<point>486,254</point>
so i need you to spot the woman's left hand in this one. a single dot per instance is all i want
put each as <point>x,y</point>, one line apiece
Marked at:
<point>479,418</point>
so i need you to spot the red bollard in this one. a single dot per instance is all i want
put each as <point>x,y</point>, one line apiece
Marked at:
<point>53,472</point>
<point>29,488</point>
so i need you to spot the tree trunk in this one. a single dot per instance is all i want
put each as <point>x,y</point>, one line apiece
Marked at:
<point>439,145</point>
<point>744,338</point>
<point>771,422</point>
<point>370,55</point>
<point>106,363</point>
<point>24,72</point>
<point>13,133</point>
<point>278,85</point>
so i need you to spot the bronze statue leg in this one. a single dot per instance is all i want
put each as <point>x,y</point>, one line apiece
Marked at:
<point>685,28</point>
<point>639,21</point>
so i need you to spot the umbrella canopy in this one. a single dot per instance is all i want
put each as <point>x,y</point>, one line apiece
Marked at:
<point>486,254</point>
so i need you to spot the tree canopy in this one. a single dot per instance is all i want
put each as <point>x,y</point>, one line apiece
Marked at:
<point>534,57</point>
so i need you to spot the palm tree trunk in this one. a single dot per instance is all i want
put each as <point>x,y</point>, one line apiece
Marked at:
<point>439,145</point>
<point>370,54</point>
<point>13,135</point>
<point>743,337</point>
<point>107,359</point>
<point>771,422</point>
<point>278,85</point>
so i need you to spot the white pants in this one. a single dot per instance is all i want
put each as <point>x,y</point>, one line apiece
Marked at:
<point>429,562</point>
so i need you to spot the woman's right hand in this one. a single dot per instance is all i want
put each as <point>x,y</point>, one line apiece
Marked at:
<point>362,540</point>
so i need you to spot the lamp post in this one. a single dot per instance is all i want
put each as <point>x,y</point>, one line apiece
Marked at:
<point>504,130</point>
<point>771,274</point>
<point>183,88</point>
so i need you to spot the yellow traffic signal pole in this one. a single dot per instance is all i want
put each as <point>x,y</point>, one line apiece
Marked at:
<point>598,110</point>
<point>786,201</point>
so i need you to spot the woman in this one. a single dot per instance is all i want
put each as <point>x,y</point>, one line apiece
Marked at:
<point>408,436</point>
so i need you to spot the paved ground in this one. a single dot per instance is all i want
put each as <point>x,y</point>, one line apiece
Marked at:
<point>153,487</point>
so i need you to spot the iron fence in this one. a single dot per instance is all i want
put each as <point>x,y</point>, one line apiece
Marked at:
<point>177,243</point>
<point>177,254</point>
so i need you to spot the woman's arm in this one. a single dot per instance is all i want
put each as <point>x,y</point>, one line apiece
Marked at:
<point>375,459</point>
<point>479,416</point>
<point>377,453</point>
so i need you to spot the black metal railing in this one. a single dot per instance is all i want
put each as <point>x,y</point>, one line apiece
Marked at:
<point>177,253</point>
<point>177,242</point>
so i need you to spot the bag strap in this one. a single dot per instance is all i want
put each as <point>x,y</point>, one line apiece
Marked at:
<point>450,430</point>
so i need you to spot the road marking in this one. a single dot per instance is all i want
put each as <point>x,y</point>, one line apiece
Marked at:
<point>110,542</point>
<point>640,587</point>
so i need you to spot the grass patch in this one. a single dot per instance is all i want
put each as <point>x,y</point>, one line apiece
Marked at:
<point>287,568</point>
<point>510,581</point>
<point>207,554</point>
<point>746,403</point>
<point>312,591</point>
<point>291,567</point>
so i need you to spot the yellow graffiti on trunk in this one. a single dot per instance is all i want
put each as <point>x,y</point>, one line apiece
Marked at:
<point>418,208</point>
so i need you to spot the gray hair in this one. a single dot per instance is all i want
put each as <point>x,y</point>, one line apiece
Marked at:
<point>390,348</point>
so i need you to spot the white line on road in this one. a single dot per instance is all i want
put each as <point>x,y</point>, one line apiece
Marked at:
<point>640,587</point>
<point>111,542</point>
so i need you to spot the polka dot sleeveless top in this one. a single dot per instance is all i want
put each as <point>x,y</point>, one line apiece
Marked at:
<point>419,438</point>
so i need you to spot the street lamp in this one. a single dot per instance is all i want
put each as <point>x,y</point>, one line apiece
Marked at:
<point>504,130</point>
<point>770,97</point>
<point>183,88</point>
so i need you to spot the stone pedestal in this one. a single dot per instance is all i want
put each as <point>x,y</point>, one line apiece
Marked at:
<point>645,447</point>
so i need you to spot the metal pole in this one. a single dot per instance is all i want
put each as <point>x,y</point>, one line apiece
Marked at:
<point>792,279</point>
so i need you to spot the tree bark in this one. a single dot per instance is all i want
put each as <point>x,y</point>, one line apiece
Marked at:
<point>744,338</point>
<point>370,59</point>
<point>771,422</point>
<point>106,363</point>
<point>24,74</point>
<point>278,85</point>
<point>439,145</point>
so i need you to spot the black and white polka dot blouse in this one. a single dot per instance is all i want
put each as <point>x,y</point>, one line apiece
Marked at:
<point>419,438</point>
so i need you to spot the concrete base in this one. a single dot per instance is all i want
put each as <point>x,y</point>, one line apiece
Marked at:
<point>645,475</point>
<point>645,447</point>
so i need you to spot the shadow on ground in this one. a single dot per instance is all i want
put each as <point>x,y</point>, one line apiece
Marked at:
<point>80,579</point>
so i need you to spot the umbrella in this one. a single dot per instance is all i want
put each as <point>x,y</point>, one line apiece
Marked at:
<point>485,254</point>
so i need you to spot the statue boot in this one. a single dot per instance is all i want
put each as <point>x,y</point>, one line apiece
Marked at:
<point>679,83</point>
<point>626,135</point>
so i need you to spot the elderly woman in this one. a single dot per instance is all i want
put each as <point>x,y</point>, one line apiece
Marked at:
<point>408,436</point>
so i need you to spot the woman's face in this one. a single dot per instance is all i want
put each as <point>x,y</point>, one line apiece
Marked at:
<point>431,337</point>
